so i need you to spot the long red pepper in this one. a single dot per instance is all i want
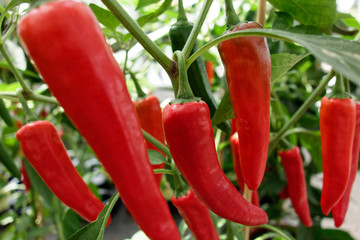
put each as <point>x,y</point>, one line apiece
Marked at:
<point>69,49</point>
<point>293,165</point>
<point>234,144</point>
<point>196,216</point>
<point>149,113</point>
<point>337,126</point>
<point>248,68</point>
<point>189,134</point>
<point>340,209</point>
<point>45,151</point>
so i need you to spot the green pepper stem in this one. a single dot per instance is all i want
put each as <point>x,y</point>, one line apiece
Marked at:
<point>30,117</point>
<point>232,18</point>
<point>184,90</point>
<point>136,31</point>
<point>301,111</point>
<point>338,90</point>
<point>196,29</point>
<point>346,85</point>
<point>277,230</point>
<point>181,12</point>
<point>139,90</point>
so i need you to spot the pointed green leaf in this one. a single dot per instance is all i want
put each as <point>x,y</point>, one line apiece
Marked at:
<point>104,16</point>
<point>155,157</point>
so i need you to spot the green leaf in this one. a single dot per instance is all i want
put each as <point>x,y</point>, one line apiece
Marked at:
<point>281,63</point>
<point>156,157</point>
<point>224,111</point>
<point>144,3</point>
<point>40,187</point>
<point>320,13</point>
<point>153,15</point>
<point>4,87</point>
<point>105,17</point>
<point>95,230</point>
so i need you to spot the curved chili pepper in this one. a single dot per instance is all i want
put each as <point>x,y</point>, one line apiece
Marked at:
<point>337,126</point>
<point>293,165</point>
<point>45,151</point>
<point>248,68</point>
<point>234,144</point>
<point>149,113</point>
<point>210,71</point>
<point>25,177</point>
<point>196,216</point>
<point>68,47</point>
<point>340,209</point>
<point>189,134</point>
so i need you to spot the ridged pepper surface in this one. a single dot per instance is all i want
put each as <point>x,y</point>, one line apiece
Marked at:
<point>190,137</point>
<point>296,185</point>
<point>196,215</point>
<point>149,113</point>
<point>248,69</point>
<point>45,151</point>
<point>340,209</point>
<point>69,49</point>
<point>337,127</point>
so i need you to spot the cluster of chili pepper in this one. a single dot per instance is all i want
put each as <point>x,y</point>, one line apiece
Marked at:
<point>91,89</point>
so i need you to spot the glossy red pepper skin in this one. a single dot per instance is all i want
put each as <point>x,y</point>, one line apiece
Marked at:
<point>293,165</point>
<point>69,49</point>
<point>196,216</point>
<point>340,209</point>
<point>234,144</point>
<point>45,151</point>
<point>247,65</point>
<point>210,71</point>
<point>337,127</point>
<point>149,113</point>
<point>190,138</point>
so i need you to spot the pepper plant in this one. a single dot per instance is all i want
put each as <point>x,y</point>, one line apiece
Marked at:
<point>217,149</point>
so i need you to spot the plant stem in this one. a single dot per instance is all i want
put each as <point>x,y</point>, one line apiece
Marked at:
<point>28,113</point>
<point>14,69</point>
<point>139,90</point>
<point>184,91</point>
<point>275,229</point>
<point>181,12</point>
<point>300,112</point>
<point>243,33</point>
<point>346,85</point>
<point>338,90</point>
<point>136,31</point>
<point>261,12</point>
<point>156,143</point>
<point>247,196</point>
<point>232,18</point>
<point>196,29</point>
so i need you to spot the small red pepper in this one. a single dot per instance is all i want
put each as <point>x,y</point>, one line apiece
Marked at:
<point>247,65</point>
<point>69,49</point>
<point>210,71</point>
<point>340,209</point>
<point>149,113</point>
<point>196,216</point>
<point>293,165</point>
<point>234,143</point>
<point>45,151</point>
<point>337,126</point>
<point>190,137</point>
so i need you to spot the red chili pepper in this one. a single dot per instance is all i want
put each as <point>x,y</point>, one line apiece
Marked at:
<point>340,209</point>
<point>45,151</point>
<point>196,216</point>
<point>248,68</point>
<point>190,137</point>
<point>69,49</point>
<point>25,177</point>
<point>210,71</point>
<point>149,113</point>
<point>337,126</point>
<point>284,193</point>
<point>234,143</point>
<point>293,165</point>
